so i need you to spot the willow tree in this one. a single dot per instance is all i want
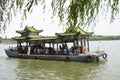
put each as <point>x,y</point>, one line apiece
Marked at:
<point>73,12</point>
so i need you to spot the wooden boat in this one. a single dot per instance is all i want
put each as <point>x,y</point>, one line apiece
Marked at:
<point>72,45</point>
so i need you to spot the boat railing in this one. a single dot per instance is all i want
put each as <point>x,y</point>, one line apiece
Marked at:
<point>46,51</point>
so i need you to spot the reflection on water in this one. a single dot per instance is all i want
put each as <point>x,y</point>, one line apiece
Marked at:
<point>56,70</point>
<point>28,69</point>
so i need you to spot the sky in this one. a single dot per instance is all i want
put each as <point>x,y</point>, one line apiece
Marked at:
<point>43,21</point>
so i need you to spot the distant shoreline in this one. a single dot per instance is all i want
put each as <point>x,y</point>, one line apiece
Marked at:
<point>101,37</point>
<point>91,38</point>
<point>8,41</point>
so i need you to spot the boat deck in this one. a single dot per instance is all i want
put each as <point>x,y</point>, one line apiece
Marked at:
<point>90,57</point>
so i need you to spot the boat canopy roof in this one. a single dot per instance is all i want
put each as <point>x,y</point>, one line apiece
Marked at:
<point>74,31</point>
<point>29,29</point>
<point>71,34</point>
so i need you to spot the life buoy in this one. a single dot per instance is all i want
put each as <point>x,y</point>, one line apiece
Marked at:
<point>67,58</point>
<point>89,58</point>
<point>36,57</point>
<point>21,56</point>
<point>104,55</point>
<point>97,59</point>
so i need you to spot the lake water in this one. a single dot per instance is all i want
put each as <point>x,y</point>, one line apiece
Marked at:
<point>28,69</point>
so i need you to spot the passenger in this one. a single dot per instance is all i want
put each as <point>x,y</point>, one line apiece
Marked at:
<point>81,50</point>
<point>25,49</point>
<point>85,50</point>
<point>35,51</point>
<point>41,50</point>
<point>32,50</point>
<point>70,50</point>
<point>76,52</point>
<point>38,50</point>
<point>61,49</point>
<point>19,49</point>
<point>65,51</point>
<point>46,51</point>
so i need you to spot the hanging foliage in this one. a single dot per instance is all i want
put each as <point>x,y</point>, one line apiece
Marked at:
<point>73,12</point>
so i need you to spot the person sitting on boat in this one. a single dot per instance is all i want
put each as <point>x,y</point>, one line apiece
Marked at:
<point>70,50</point>
<point>39,48</point>
<point>76,50</point>
<point>20,49</point>
<point>35,50</point>
<point>85,51</point>
<point>46,51</point>
<point>66,51</point>
<point>61,49</point>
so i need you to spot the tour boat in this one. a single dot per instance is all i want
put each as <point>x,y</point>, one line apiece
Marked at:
<point>72,45</point>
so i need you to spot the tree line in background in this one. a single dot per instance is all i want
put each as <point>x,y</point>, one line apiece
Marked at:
<point>101,37</point>
<point>92,38</point>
